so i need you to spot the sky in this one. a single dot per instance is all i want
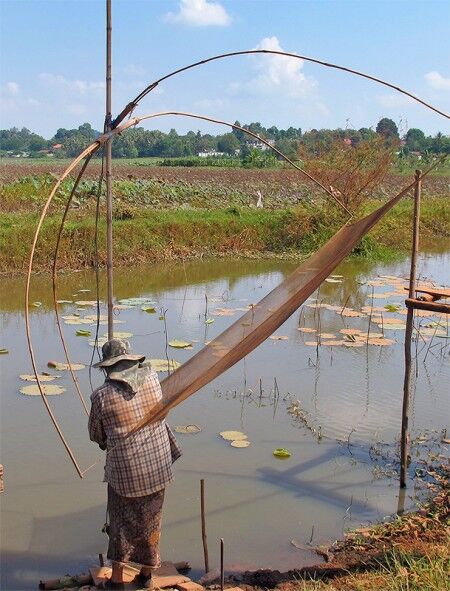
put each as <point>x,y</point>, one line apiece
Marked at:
<point>52,62</point>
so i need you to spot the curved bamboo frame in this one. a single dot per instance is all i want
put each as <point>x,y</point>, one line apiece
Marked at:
<point>87,154</point>
<point>116,129</point>
<point>133,104</point>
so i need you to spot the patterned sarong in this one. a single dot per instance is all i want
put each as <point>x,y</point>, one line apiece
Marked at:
<point>135,528</point>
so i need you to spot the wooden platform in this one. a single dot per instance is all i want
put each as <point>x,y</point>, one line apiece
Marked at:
<point>429,299</point>
<point>165,577</point>
<point>430,306</point>
<point>436,293</point>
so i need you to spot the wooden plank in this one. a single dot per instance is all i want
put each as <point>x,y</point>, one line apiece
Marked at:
<point>100,574</point>
<point>190,586</point>
<point>168,576</point>
<point>430,306</point>
<point>436,292</point>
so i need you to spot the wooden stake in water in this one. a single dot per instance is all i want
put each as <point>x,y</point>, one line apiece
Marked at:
<point>108,167</point>
<point>204,538</point>
<point>222,568</point>
<point>408,333</point>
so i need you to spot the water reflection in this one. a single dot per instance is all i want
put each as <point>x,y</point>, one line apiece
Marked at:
<point>337,476</point>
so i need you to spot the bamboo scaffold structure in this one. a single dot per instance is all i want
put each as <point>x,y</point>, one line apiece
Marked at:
<point>117,126</point>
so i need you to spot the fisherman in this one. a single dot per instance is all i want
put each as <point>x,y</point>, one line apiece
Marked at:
<point>138,468</point>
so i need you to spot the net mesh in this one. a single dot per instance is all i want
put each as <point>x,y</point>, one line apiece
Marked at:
<point>262,319</point>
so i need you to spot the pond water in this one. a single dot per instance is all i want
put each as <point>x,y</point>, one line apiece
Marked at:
<point>342,433</point>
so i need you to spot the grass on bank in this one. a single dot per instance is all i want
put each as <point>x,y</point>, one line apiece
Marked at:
<point>145,235</point>
<point>397,571</point>
<point>409,553</point>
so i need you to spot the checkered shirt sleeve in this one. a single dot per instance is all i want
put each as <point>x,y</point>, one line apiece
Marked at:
<point>141,464</point>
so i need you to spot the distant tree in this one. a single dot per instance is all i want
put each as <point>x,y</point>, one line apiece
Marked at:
<point>289,148</point>
<point>387,128</point>
<point>440,144</point>
<point>228,143</point>
<point>415,140</point>
<point>240,135</point>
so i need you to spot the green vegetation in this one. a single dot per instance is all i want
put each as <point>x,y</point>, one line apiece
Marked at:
<point>242,148</point>
<point>145,235</point>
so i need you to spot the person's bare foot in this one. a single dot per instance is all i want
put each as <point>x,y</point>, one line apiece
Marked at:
<point>113,585</point>
<point>144,581</point>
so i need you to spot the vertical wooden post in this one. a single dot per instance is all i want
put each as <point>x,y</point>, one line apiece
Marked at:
<point>108,166</point>
<point>222,567</point>
<point>408,333</point>
<point>204,539</point>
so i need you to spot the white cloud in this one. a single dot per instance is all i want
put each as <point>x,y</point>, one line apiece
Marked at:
<point>133,71</point>
<point>280,73</point>
<point>211,104</point>
<point>12,88</point>
<point>76,109</point>
<point>394,100</point>
<point>437,81</point>
<point>80,86</point>
<point>199,13</point>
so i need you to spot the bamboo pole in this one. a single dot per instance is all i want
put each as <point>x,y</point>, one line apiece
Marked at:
<point>108,167</point>
<point>222,567</point>
<point>408,333</point>
<point>204,538</point>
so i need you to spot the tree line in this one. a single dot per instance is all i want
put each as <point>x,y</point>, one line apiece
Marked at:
<point>138,142</point>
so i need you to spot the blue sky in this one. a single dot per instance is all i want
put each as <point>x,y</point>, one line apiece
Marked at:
<point>52,61</point>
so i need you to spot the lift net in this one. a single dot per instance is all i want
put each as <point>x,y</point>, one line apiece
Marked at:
<point>263,319</point>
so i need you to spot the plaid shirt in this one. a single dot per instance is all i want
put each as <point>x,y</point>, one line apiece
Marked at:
<point>142,464</point>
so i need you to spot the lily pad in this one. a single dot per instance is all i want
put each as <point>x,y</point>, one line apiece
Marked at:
<point>351,331</point>
<point>164,365</point>
<point>240,443</point>
<point>149,309</point>
<point>136,302</point>
<point>278,337</point>
<point>119,335</point>
<point>179,344</point>
<point>224,312</point>
<point>306,329</point>
<point>187,429</point>
<point>352,313</point>
<point>381,341</point>
<point>36,304</point>
<point>209,320</point>
<point>62,366</point>
<point>81,332</point>
<point>332,280</point>
<point>4,351</point>
<point>49,390</point>
<point>64,301</point>
<point>86,302</point>
<point>100,342</point>
<point>42,377</point>
<point>78,321</point>
<point>282,453</point>
<point>233,435</point>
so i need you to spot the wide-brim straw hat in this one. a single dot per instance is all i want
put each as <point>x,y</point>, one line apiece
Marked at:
<point>116,350</point>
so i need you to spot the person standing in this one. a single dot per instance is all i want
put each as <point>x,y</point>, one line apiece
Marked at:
<point>138,468</point>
